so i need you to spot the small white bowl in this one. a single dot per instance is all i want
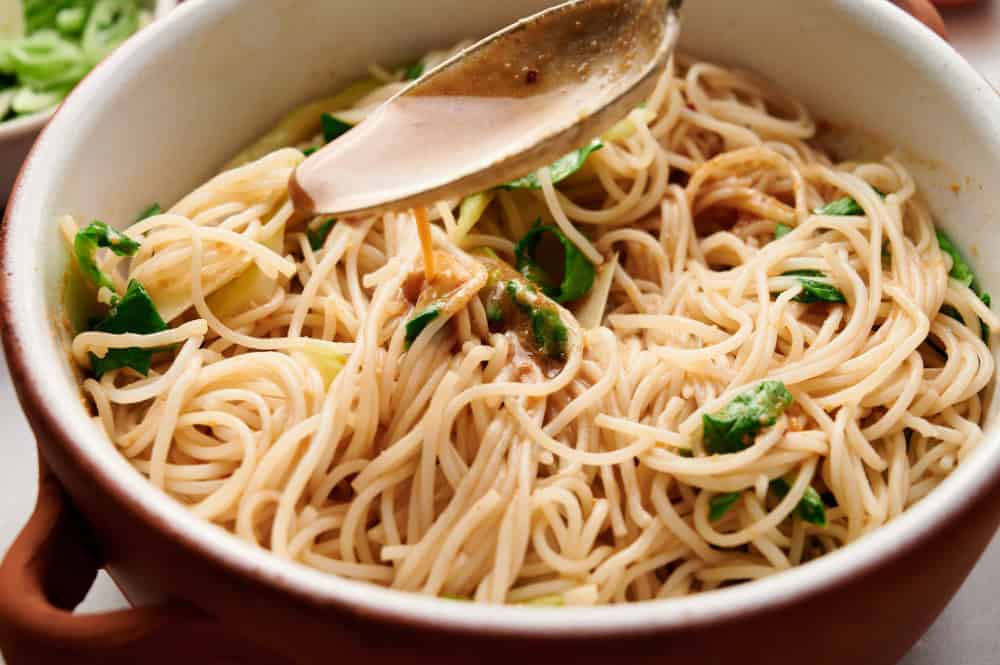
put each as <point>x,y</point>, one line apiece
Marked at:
<point>17,136</point>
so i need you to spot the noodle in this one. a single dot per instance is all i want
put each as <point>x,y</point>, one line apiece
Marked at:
<point>296,408</point>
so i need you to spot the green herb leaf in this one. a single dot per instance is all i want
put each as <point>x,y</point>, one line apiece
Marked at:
<point>561,169</point>
<point>781,230</point>
<point>960,269</point>
<point>151,211</point>
<point>814,290</point>
<point>418,323</point>
<point>88,240</point>
<point>333,127</point>
<point>721,503</point>
<point>134,313</point>
<point>845,207</point>
<point>414,71</point>
<point>550,333</point>
<point>318,234</point>
<point>309,151</point>
<point>494,312</point>
<point>734,428</point>
<point>811,508</point>
<point>950,311</point>
<point>577,271</point>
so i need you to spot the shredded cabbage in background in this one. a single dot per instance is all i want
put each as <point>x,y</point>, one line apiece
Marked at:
<point>48,46</point>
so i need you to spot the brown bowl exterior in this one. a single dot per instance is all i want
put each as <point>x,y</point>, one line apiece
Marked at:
<point>873,617</point>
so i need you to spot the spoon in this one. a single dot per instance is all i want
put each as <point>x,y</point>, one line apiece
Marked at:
<point>503,108</point>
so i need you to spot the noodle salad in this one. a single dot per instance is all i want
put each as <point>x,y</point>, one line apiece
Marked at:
<point>697,351</point>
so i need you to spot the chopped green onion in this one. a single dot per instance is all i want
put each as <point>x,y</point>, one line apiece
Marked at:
<point>111,22</point>
<point>58,41</point>
<point>734,428</point>
<point>333,127</point>
<point>309,151</point>
<point>26,101</point>
<point>721,503</point>
<point>577,271</point>
<point>134,313</point>
<point>318,234</point>
<point>811,508</point>
<point>96,235</point>
<point>71,21</point>
<point>781,230</point>
<point>561,169</point>
<point>418,323</point>
<point>550,333</point>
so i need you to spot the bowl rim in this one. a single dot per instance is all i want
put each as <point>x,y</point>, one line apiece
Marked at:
<point>21,321</point>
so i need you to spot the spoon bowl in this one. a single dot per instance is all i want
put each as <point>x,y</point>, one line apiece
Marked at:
<point>505,107</point>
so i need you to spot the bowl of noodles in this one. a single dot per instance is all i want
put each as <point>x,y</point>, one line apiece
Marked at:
<point>718,384</point>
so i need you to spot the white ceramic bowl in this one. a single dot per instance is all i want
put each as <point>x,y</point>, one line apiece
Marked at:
<point>18,135</point>
<point>158,118</point>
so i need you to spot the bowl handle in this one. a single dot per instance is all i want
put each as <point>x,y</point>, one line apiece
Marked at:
<point>47,573</point>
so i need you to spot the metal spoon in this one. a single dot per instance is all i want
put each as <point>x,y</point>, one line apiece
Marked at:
<point>507,106</point>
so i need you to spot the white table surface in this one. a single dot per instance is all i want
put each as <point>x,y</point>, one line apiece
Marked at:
<point>968,633</point>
